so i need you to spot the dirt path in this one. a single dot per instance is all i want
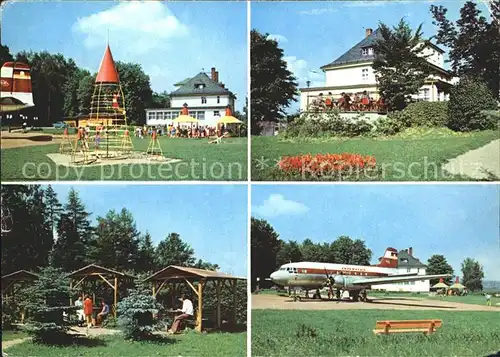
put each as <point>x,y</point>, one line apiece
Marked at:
<point>19,139</point>
<point>481,163</point>
<point>266,301</point>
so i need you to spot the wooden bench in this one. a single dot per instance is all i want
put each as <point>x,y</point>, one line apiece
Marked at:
<point>401,326</point>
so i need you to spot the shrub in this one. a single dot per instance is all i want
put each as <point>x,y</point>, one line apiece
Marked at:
<point>45,300</point>
<point>391,124</point>
<point>325,165</point>
<point>136,313</point>
<point>327,125</point>
<point>426,114</point>
<point>10,311</point>
<point>467,101</point>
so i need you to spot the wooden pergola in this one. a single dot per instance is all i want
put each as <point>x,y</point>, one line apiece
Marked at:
<point>95,273</point>
<point>20,276</point>
<point>196,279</point>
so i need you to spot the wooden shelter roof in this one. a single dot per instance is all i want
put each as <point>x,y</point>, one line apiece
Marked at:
<point>174,272</point>
<point>93,269</point>
<point>20,275</point>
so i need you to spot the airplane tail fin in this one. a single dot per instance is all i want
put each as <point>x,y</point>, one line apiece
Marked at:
<point>390,259</point>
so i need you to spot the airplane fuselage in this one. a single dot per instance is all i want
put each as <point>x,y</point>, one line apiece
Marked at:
<point>313,275</point>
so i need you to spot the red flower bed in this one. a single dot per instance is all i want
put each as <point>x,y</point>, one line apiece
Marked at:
<point>326,164</point>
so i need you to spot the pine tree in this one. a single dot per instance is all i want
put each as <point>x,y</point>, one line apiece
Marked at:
<point>53,207</point>
<point>400,66</point>
<point>174,251</point>
<point>117,241</point>
<point>46,300</point>
<point>71,250</point>
<point>147,256</point>
<point>437,264</point>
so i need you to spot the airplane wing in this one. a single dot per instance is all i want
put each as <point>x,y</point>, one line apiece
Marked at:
<point>397,279</point>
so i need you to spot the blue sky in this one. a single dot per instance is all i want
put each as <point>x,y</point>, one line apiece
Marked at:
<point>457,221</point>
<point>171,41</point>
<point>313,34</point>
<point>201,215</point>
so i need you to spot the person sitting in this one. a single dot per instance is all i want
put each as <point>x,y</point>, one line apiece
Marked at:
<point>365,101</point>
<point>103,314</point>
<point>186,313</point>
<point>329,101</point>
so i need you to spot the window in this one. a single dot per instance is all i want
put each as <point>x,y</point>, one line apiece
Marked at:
<point>203,100</point>
<point>159,116</point>
<point>216,113</point>
<point>199,85</point>
<point>218,99</point>
<point>367,51</point>
<point>364,74</point>
<point>425,94</point>
<point>200,116</point>
<point>408,270</point>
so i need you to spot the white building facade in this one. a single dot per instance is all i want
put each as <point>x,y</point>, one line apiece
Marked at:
<point>408,264</point>
<point>353,73</point>
<point>205,97</point>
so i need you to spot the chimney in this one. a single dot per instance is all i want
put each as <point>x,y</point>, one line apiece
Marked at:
<point>410,251</point>
<point>216,79</point>
<point>212,76</point>
<point>368,32</point>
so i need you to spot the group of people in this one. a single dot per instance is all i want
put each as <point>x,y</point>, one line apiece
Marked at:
<point>347,102</point>
<point>179,132</point>
<point>85,313</point>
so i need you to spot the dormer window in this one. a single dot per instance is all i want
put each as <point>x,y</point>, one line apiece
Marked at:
<point>199,85</point>
<point>404,260</point>
<point>367,51</point>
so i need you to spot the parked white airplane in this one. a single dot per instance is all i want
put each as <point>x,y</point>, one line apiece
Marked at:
<point>356,279</point>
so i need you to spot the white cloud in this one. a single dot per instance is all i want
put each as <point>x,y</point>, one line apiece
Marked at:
<point>277,38</point>
<point>276,205</point>
<point>137,26</point>
<point>315,12</point>
<point>302,71</point>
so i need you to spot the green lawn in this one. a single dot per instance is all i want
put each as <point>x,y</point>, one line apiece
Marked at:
<point>190,344</point>
<point>13,335</point>
<point>467,299</point>
<point>349,333</point>
<point>398,159</point>
<point>200,161</point>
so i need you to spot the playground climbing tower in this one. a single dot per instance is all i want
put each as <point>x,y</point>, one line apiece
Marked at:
<point>106,127</point>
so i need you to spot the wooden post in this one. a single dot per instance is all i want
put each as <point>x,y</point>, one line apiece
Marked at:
<point>199,316</point>
<point>71,292</point>
<point>234,286</point>
<point>116,295</point>
<point>173,295</point>
<point>217,292</point>
<point>154,288</point>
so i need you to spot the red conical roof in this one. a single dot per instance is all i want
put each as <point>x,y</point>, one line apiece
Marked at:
<point>107,70</point>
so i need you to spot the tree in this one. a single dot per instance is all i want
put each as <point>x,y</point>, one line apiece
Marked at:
<point>313,252</point>
<point>146,261</point>
<point>71,90</point>
<point>5,55</point>
<point>174,251</point>
<point>273,86</point>
<point>288,252</point>
<point>84,93</point>
<point>28,244</point>
<point>136,313</point>
<point>117,240</point>
<point>265,244</point>
<point>137,90</point>
<point>472,274</point>
<point>437,264</point>
<point>348,251</point>
<point>52,206</point>
<point>400,65</point>
<point>45,299</point>
<point>160,100</point>
<point>201,264</point>
<point>74,235</point>
<point>474,42</point>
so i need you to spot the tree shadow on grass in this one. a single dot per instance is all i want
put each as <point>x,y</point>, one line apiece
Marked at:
<point>73,340</point>
<point>159,339</point>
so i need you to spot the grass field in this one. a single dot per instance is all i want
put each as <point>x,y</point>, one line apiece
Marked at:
<point>467,299</point>
<point>402,159</point>
<point>349,333</point>
<point>200,161</point>
<point>191,344</point>
<point>13,335</point>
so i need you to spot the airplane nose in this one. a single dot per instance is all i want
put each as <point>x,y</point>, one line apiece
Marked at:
<point>278,278</point>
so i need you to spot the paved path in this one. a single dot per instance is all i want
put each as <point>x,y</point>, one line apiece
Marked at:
<point>267,301</point>
<point>479,164</point>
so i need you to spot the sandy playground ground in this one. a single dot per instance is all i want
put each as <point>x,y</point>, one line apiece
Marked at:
<point>267,301</point>
<point>19,139</point>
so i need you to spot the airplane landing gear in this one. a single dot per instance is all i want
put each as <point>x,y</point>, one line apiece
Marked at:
<point>355,296</point>
<point>317,295</point>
